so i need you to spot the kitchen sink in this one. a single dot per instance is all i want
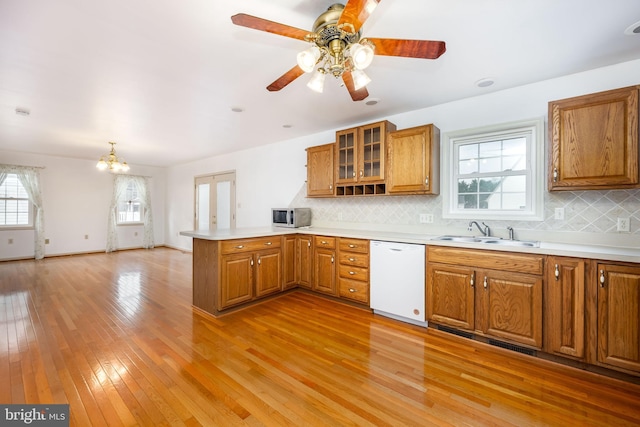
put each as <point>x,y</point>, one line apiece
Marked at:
<point>489,240</point>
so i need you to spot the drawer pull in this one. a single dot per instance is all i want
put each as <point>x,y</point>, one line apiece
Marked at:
<point>352,290</point>
<point>352,259</point>
<point>268,244</point>
<point>352,273</point>
<point>352,246</point>
<point>239,246</point>
<point>324,242</point>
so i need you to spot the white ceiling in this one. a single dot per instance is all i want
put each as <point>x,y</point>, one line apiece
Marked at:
<point>160,77</point>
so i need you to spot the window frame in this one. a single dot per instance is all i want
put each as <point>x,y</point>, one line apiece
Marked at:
<point>124,200</point>
<point>534,130</point>
<point>31,211</point>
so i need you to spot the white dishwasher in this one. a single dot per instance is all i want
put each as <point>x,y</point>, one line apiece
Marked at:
<point>398,281</point>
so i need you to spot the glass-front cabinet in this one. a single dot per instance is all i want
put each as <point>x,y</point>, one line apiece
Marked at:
<point>346,155</point>
<point>360,157</point>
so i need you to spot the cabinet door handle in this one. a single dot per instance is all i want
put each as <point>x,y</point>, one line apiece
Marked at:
<point>555,174</point>
<point>309,243</point>
<point>330,187</point>
<point>602,278</point>
<point>332,260</point>
<point>259,261</point>
<point>251,262</point>
<point>426,181</point>
<point>485,284</point>
<point>361,173</point>
<point>556,272</point>
<point>472,281</point>
<point>268,244</point>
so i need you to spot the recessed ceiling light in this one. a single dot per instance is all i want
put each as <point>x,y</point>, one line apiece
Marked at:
<point>372,101</point>
<point>633,29</point>
<point>486,82</point>
<point>22,111</point>
<point>237,109</point>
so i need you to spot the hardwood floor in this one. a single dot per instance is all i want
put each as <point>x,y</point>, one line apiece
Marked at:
<point>115,336</point>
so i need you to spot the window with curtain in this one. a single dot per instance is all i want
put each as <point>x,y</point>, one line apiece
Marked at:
<point>130,207</point>
<point>130,203</point>
<point>16,211</point>
<point>19,181</point>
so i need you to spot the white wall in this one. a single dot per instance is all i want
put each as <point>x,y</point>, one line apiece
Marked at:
<point>271,176</point>
<point>76,198</point>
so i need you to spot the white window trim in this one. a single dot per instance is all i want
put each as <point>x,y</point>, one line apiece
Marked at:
<point>535,183</point>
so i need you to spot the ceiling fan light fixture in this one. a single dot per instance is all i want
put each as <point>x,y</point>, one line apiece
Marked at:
<point>360,79</point>
<point>316,83</point>
<point>361,55</point>
<point>308,58</point>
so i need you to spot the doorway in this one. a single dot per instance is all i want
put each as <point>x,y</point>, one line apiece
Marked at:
<point>215,197</point>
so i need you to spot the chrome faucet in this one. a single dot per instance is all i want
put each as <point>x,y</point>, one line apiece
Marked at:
<point>511,236</point>
<point>485,232</point>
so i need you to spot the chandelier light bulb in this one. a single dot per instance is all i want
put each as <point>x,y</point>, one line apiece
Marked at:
<point>316,83</point>
<point>308,58</point>
<point>361,55</point>
<point>360,79</point>
<point>112,162</point>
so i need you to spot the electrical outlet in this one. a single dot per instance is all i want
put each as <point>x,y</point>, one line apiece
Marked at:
<point>423,218</point>
<point>623,224</point>
<point>46,241</point>
<point>429,218</point>
<point>11,241</point>
<point>86,237</point>
<point>135,234</point>
<point>559,214</point>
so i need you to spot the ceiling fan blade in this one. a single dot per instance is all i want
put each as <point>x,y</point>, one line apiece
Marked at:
<point>356,12</point>
<point>256,23</point>
<point>427,49</point>
<point>356,95</point>
<point>285,79</point>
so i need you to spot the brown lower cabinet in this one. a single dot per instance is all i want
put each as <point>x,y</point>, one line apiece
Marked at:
<point>492,294</point>
<point>565,307</point>
<point>324,265</point>
<point>304,260</point>
<point>618,306</point>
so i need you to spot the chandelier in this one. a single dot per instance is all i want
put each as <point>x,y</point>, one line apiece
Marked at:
<point>112,162</point>
<point>336,49</point>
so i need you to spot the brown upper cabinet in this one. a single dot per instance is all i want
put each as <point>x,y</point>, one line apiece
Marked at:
<point>320,171</point>
<point>413,161</point>
<point>594,141</point>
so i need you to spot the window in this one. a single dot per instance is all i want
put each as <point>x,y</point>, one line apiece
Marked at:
<point>15,208</point>
<point>130,206</point>
<point>495,172</point>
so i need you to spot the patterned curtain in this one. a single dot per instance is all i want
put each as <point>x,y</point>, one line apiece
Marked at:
<point>29,177</point>
<point>120,184</point>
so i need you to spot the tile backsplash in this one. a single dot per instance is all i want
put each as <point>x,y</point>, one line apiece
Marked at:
<point>584,211</point>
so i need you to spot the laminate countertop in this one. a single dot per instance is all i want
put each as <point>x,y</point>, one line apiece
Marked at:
<point>599,252</point>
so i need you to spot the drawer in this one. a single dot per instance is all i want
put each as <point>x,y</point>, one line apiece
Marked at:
<point>357,259</point>
<point>354,245</point>
<point>354,273</point>
<point>491,260</point>
<point>247,245</point>
<point>324,242</point>
<point>354,290</point>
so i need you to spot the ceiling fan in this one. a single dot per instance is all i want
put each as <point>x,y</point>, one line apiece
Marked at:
<point>337,47</point>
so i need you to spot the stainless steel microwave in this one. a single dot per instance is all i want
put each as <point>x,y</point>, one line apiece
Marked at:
<point>291,217</point>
